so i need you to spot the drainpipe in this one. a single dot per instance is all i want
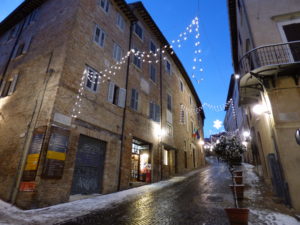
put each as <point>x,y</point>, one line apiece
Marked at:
<point>161,99</point>
<point>124,110</point>
<point>30,130</point>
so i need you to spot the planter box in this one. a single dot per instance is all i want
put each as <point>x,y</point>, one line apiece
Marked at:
<point>239,191</point>
<point>238,179</point>
<point>238,173</point>
<point>237,216</point>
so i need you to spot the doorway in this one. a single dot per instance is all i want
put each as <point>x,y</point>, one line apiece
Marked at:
<point>89,166</point>
<point>140,161</point>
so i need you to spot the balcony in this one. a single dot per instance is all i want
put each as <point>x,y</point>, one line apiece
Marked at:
<point>267,62</point>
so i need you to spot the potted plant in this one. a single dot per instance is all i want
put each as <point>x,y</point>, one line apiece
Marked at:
<point>230,149</point>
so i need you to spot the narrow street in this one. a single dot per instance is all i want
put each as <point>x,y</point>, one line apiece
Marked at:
<point>199,199</point>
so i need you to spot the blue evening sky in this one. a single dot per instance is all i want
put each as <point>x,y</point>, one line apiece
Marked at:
<point>172,17</point>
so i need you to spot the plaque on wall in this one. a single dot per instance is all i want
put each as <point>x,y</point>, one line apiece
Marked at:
<point>56,153</point>
<point>33,156</point>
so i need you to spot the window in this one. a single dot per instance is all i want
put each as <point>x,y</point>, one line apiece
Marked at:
<point>31,18</point>
<point>104,4</point>
<point>152,47</point>
<point>169,102</point>
<point>182,114</point>
<point>13,32</point>
<point>117,52</point>
<point>8,87</point>
<point>137,60</point>
<point>169,130</point>
<point>120,21</point>
<point>154,113</point>
<point>22,48</point>
<point>116,95</point>
<point>138,30</point>
<point>92,79</point>
<point>99,36</point>
<point>134,99</point>
<point>153,73</point>
<point>168,67</point>
<point>181,86</point>
<point>185,159</point>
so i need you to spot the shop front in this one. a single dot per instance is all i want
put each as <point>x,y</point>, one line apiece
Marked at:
<point>140,162</point>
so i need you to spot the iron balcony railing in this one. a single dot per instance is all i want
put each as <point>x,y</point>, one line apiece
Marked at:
<point>270,55</point>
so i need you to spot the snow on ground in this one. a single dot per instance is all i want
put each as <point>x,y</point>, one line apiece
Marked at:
<point>272,218</point>
<point>62,212</point>
<point>252,180</point>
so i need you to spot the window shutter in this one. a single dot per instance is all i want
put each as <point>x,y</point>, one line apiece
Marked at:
<point>13,85</point>
<point>122,97</point>
<point>132,101</point>
<point>27,45</point>
<point>151,111</point>
<point>136,100</point>
<point>2,87</point>
<point>111,90</point>
<point>157,113</point>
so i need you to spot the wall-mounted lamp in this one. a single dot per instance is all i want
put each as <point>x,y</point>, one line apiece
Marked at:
<point>237,76</point>
<point>297,136</point>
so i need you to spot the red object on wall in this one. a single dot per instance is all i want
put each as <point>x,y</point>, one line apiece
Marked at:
<point>148,176</point>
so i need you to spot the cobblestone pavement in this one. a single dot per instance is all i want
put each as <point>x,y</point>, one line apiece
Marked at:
<point>199,199</point>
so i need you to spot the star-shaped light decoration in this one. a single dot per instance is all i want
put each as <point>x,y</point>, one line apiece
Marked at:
<point>217,124</point>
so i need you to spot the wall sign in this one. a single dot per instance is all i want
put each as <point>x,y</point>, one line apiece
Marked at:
<point>297,135</point>
<point>33,156</point>
<point>56,153</point>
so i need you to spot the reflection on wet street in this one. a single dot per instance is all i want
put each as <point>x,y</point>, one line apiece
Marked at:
<point>199,199</point>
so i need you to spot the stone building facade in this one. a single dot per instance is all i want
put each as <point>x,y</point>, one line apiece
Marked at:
<point>82,110</point>
<point>266,48</point>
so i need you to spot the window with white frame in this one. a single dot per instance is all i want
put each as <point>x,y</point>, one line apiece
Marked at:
<point>117,52</point>
<point>152,47</point>
<point>168,67</point>
<point>120,21</point>
<point>99,36</point>
<point>154,112</point>
<point>116,95</point>
<point>153,72</point>
<point>138,30</point>
<point>92,79</point>
<point>104,4</point>
<point>134,99</point>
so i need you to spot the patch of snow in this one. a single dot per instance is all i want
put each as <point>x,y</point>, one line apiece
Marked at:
<point>272,218</point>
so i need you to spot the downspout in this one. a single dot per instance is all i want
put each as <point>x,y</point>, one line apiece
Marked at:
<point>124,110</point>
<point>160,138</point>
<point>29,133</point>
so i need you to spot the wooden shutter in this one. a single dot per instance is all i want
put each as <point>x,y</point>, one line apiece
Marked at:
<point>13,85</point>
<point>122,97</point>
<point>151,110</point>
<point>157,113</point>
<point>27,45</point>
<point>2,87</point>
<point>111,90</point>
<point>136,100</point>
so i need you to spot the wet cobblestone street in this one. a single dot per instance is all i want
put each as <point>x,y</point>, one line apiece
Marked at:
<point>199,199</point>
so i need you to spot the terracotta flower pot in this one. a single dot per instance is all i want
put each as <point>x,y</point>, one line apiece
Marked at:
<point>237,216</point>
<point>238,173</point>
<point>238,179</point>
<point>239,191</point>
